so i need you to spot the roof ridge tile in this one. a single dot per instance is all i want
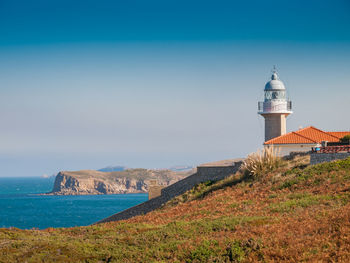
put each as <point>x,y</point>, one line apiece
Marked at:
<point>304,137</point>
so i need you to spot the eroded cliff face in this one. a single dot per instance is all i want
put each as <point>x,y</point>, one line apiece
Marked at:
<point>95,182</point>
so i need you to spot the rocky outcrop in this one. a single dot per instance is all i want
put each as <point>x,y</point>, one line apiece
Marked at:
<point>88,182</point>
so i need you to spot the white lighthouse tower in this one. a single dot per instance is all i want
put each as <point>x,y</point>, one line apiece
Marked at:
<point>275,108</point>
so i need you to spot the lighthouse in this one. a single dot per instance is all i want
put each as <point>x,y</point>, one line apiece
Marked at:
<point>275,108</point>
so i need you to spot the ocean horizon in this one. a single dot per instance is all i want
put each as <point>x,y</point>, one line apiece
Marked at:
<point>22,206</point>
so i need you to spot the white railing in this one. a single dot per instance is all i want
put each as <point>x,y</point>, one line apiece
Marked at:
<point>267,106</point>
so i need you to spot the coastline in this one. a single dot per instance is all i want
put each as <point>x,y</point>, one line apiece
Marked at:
<point>84,193</point>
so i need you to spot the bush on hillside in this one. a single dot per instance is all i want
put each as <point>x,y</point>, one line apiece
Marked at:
<point>262,162</point>
<point>345,139</point>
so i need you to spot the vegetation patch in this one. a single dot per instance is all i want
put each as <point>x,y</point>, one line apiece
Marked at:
<point>186,241</point>
<point>294,203</point>
<point>203,189</point>
<point>337,171</point>
<point>304,200</point>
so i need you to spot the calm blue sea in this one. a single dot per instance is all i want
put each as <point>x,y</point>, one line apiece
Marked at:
<point>20,206</point>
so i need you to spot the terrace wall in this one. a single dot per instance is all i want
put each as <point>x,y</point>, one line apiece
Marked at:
<point>316,158</point>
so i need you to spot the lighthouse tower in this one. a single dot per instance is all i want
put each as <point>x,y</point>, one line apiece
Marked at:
<point>275,108</point>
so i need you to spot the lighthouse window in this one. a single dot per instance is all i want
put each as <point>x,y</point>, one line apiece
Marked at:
<point>275,95</point>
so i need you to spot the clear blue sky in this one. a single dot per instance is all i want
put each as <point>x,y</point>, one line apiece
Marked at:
<point>86,84</point>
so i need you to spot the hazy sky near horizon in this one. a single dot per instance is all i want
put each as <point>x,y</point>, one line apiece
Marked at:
<point>87,84</point>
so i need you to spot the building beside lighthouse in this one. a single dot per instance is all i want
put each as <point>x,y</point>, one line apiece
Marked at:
<point>275,109</point>
<point>304,139</point>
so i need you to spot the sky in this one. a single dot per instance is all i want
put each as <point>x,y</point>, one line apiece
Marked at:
<point>154,84</point>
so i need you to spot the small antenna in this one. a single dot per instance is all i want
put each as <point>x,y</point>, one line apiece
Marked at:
<point>274,72</point>
<point>274,69</point>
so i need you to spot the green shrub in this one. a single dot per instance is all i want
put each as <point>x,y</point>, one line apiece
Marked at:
<point>235,252</point>
<point>204,252</point>
<point>345,139</point>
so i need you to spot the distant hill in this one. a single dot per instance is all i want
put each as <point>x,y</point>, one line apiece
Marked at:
<point>119,168</point>
<point>181,168</point>
<point>112,169</point>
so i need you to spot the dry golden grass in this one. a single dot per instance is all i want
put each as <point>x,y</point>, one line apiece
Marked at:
<point>261,162</point>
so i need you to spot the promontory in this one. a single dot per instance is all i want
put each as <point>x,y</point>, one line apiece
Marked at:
<point>86,182</point>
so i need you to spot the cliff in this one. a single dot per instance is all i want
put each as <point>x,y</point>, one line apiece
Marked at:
<point>96,182</point>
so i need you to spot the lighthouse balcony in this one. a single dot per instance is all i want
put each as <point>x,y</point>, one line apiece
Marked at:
<point>274,107</point>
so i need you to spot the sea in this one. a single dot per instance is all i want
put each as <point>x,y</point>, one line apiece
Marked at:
<point>22,207</point>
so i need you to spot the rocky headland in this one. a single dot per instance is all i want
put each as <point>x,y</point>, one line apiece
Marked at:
<point>87,182</point>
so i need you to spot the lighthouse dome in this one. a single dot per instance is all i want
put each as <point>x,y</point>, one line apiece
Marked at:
<point>274,83</point>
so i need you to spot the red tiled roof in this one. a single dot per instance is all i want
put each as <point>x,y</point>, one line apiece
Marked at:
<point>308,135</point>
<point>317,135</point>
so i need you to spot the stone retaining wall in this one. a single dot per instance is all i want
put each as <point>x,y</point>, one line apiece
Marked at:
<point>316,158</point>
<point>154,191</point>
<point>292,155</point>
<point>204,174</point>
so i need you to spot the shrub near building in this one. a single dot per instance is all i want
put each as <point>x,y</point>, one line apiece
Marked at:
<point>345,139</point>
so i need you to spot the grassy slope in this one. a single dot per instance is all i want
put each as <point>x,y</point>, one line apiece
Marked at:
<point>292,214</point>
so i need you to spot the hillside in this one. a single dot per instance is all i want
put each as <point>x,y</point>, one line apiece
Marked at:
<point>292,214</point>
<point>121,182</point>
<point>112,169</point>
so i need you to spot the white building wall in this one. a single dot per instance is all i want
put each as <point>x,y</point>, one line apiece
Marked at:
<point>286,149</point>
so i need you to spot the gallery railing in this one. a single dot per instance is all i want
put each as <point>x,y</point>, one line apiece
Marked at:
<point>264,106</point>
